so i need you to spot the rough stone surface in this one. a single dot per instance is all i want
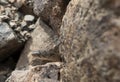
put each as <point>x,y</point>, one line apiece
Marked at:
<point>45,73</point>
<point>51,12</point>
<point>90,36</point>
<point>40,60</point>
<point>8,41</point>
<point>87,42</point>
<point>41,48</point>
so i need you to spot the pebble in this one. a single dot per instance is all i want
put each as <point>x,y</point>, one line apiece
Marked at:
<point>23,24</point>
<point>3,2</point>
<point>27,36</point>
<point>29,18</point>
<point>23,33</point>
<point>4,17</point>
<point>31,27</point>
<point>18,29</point>
<point>12,23</point>
<point>7,11</point>
<point>18,16</point>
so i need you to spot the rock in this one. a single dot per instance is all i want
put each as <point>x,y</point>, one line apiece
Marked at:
<point>11,1</point>
<point>32,27</point>
<point>3,17</point>
<point>17,16</point>
<point>47,73</point>
<point>12,23</point>
<point>8,41</point>
<point>19,3</point>
<point>29,18</point>
<point>18,29</point>
<point>3,2</point>
<point>51,11</point>
<point>90,42</point>
<point>42,39</point>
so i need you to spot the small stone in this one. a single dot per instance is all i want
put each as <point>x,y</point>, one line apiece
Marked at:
<point>11,1</point>
<point>14,8</point>
<point>7,11</point>
<point>28,34</point>
<point>23,24</point>
<point>12,23</point>
<point>1,8</point>
<point>18,16</point>
<point>23,33</point>
<point>3,2</point>
<point>18,29</point>
<point>32,27</point>
<point>29,18</point>
<point>4,17</point>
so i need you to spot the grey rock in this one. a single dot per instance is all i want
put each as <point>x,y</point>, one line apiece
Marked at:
<point>3,2</point>
<point>18,29</point>
<point>8,41</point>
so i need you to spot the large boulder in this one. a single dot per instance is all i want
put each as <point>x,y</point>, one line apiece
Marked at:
<point>90,36</point>
<point>9,43</point>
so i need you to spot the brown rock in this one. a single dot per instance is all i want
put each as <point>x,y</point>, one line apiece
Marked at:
<point>90,42</point>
